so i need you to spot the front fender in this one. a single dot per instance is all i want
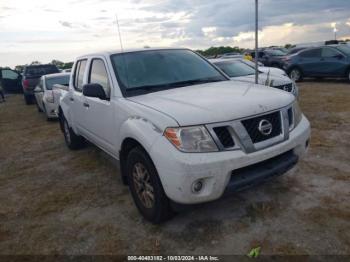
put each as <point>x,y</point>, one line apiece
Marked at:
<point>140,129</point>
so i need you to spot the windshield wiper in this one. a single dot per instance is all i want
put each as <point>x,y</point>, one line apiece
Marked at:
<point>173,85</point>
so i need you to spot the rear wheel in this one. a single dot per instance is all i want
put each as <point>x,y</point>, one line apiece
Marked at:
<point>28,99</point>
<point>146,188</point>
<point>73,141</point>
<point>296,75</point>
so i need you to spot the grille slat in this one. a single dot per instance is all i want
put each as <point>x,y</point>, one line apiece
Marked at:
<point>252,127</point>
<point>224,136</point>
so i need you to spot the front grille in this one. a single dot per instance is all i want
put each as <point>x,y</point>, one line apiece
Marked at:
<point>286,87</point>
<point>252,127</point>
<point>224,136</point>
<point>290,116</point>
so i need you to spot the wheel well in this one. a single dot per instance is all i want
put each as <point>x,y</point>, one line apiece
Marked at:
<point>60,117</point>
<point>127,145</point>
<point>295,67</point>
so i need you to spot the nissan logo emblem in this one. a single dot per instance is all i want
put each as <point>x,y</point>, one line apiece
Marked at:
<point>265,127</point>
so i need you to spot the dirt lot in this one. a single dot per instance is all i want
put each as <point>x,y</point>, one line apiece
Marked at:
<point>54,201</point>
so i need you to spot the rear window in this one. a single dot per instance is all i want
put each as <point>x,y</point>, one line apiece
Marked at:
<point>312,53</point>
<point>62,80</point>
<point>41,70</point>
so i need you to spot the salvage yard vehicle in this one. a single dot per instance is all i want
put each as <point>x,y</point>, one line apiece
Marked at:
<point>270,57</point>
<point>31,77</point>
<point>181,131</point>
<point>324,61</point>
<point>10,80</point>
<point>44,93</point>
<point>240,71</point>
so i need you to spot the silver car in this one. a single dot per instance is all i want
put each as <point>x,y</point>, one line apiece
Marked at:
<point>240,70</point>
<point>44,95</point>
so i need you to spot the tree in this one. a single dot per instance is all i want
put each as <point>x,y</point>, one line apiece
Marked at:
<point>57,63</point>
<point>35,63</point>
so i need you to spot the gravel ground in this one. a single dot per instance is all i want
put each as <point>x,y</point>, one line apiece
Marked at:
<point>54,201</point>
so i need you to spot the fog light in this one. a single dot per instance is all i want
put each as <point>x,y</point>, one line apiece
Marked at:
<point>197,186</point>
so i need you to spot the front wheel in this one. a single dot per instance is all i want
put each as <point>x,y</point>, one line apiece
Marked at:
<point>73,141</point>
<point>146,188</point>
<point>296,75</point>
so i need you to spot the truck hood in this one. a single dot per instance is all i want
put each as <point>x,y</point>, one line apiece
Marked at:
<point>215,102</point>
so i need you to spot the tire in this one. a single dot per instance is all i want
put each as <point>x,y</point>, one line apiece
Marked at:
<point>348,75</point>
<point>295,74</point>
<point>28,99</point>
<point>73,141</point>
<point>45,112</point>
<point>155,209</point>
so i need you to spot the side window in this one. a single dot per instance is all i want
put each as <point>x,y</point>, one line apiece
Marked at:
<point>98,75</point>
<point>313,53</point>
<point>261,54</point>
<point>79,75</point>
<point>9,74</point>
<point>329,52</point>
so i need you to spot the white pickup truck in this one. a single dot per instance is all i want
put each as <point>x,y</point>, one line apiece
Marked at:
<point>181,131</point>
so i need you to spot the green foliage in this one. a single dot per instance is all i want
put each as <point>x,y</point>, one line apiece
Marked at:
<point>254,253</point>
<point>214,51</point>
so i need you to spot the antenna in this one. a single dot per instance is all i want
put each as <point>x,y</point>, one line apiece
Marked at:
<point>120,36</point>
<point>122,52</point>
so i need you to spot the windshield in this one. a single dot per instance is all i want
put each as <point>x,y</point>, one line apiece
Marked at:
<point>41,70</point>
<point>62,80</point>
<point>345,49</point>
<point>235,69</point>
<point>275,52</point>
<point>156,70</point>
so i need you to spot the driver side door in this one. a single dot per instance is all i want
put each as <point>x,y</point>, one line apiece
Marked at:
<point>11,80</point>
<point>99,114</point>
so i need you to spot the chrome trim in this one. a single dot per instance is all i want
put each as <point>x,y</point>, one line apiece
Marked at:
<point>243,140</point>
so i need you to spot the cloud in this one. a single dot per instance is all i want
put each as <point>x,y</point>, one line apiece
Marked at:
<point>66,24</point>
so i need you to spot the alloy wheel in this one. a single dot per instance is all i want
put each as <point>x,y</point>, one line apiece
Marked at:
<point>143,185</point>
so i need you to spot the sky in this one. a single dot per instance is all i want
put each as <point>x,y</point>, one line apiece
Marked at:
<point>44,30</point>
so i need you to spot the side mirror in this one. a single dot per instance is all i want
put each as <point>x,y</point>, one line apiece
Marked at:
<point>94,90</point>
<point>37,89</point>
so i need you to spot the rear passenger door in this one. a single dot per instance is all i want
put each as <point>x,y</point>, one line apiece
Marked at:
<point>99,118</point>
<point>333,62</point>
<point>77,99</point>
<point>310,62</point>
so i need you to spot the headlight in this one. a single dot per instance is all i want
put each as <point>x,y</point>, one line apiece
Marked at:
<point>295,90</point>
<point>194,139</point>
<point>297,113</point>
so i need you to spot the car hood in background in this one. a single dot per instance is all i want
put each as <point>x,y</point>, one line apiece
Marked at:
<point>215,102</point>
<point>276,80</point>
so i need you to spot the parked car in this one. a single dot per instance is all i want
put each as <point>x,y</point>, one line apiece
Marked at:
<point>181,131</point>
<point>324,61</point>
<point>270,57</point>
<point>44,94</point>
<point>240,71</point>
<point>31,77</point>
<point>264,69</point>
<point>10,80</point>
<point>295,50</point>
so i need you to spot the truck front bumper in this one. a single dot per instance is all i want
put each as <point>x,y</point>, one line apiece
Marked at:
<point>224,171</point>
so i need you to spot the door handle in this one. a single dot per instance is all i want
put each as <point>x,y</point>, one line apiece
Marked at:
<point>86,105</point>
<point>71,99</point>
